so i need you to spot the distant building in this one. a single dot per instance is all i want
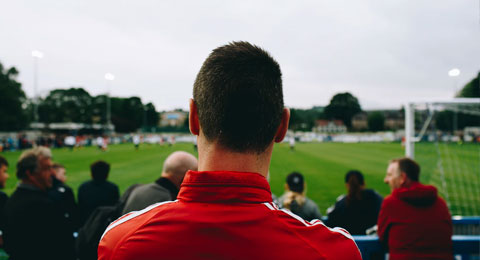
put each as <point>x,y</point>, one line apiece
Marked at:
<point>394,119</point>
<point>332,126</point>
<point>173,118</point>
<point>360,121</point>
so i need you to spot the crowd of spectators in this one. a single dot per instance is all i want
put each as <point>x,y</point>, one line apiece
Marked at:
<point>221,207</point>
<point>23,141</point>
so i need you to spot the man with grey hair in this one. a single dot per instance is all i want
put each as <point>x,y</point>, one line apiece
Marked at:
<point>166,187</point>
<point>35,227</point>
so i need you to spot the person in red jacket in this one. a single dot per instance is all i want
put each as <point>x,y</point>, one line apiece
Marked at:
<point>414,221</point>
<point>225,210</point>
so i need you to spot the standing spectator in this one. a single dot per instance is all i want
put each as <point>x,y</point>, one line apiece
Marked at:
<point>35,227</point>
<point>166,187</point>
<point>62,195</point>
<point>295,199</point>
<point>98,191</point>
<point>358,210</point>
<point>414,222</point>
<point>225,210</point>
<point>3,196</point>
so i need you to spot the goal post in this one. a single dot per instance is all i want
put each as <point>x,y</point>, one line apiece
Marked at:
<point>431,105</point>
<point>443,136</point>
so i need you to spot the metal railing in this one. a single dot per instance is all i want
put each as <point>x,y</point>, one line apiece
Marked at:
<point>465,247</point>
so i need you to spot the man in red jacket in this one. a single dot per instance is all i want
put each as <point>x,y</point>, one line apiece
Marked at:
<point>414,222</point>
<point>225,210</point>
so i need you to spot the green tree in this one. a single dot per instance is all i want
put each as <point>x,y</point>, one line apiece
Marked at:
<point>127,114</point>
<point>376,121</point>
<point>12,101</point>
<point>304,119</point>
<point>472,89</point>
<point>151,115</point>
<point>343,106</point>
<point>66,105</point>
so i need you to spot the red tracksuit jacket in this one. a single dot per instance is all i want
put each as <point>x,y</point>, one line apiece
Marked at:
<point>222,215</point>
<point>416,224</point>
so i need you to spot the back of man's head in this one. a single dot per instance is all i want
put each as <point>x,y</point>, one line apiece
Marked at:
<point>30,159</point>
<point>100,170</point>
<point>177,164</point>
<point>409,167</point>
<point>239,97</point>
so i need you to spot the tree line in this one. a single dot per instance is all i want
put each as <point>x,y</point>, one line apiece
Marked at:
<point>69,105</point>
<point>129,114</point>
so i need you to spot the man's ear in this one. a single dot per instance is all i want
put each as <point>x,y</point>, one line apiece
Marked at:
<point>283,127</point>
<point>403,178</point>
<point>193,118</point>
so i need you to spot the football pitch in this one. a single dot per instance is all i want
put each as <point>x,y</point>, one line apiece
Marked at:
<point>323,164</point>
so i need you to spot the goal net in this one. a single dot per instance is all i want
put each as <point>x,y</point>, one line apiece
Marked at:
<point>444,138</point>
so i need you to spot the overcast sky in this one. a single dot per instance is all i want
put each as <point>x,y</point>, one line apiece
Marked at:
<point>383,52</point>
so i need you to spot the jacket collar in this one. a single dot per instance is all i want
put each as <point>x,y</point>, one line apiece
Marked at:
<point>224,187</point>
<point>167,184</point>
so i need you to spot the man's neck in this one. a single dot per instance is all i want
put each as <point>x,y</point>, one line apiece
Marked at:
<point>407,184</point>
<point>213,157</point>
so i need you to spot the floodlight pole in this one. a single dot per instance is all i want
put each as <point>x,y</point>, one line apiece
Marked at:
<point>409,131</point>
<point>36,56</point>
<point>109,77</point>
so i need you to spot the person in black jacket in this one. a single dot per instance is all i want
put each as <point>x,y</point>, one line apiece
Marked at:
<point>63,196</point>
<point>97,192</point>
<point>3,196</point>
<point>358,210</point>
<point>35,227</point>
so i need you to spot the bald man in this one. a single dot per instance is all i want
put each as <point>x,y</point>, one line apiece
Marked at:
<point>166,187</point>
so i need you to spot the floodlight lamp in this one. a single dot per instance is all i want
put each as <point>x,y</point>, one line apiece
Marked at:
<point>109,76</point>
<point>37,54</point>
<point>454,72</point>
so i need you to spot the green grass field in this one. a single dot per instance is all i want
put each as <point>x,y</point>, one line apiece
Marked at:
<point>323,164</point>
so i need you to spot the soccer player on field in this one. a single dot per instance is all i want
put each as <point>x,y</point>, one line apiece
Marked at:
<point>225,210</point>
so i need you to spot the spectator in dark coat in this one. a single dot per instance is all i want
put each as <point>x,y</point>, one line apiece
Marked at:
<point>358,210</point>
<point>63,196</point>
<point>35,227</point>
<point>3,195</point>
<point>98,191</point>
<point>166,187</point>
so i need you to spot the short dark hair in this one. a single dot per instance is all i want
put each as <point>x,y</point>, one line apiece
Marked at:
<point>239,97</point>
<point>3,161</point>
<point>100,170</point>
<point>296,182</point>
<point>409,167</point>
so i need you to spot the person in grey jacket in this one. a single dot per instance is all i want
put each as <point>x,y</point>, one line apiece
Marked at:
<point>166,187</point>
<point>295,199</point>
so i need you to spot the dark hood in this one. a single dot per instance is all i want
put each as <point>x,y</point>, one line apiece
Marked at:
<point>417,194</point>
